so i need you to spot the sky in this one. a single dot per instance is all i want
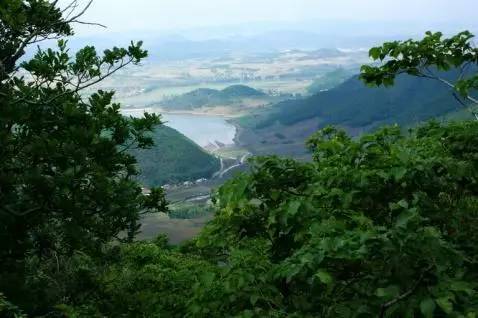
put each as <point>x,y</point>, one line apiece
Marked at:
<point>175,15</point>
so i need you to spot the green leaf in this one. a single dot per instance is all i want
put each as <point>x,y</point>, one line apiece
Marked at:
<point>207,278</point>
<point>445,304</point>
<point>375,52</point>
<point>324,277</point>
<point>253,299</point>
<point>398,173</point>
<point>405,217</point>
<point>403,204</point>
<point>461,286</point>
<point>427,307</point>
<point>388,292</point>
<point>293,207</point>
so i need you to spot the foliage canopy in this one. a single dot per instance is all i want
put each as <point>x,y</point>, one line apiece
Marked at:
<point>423,58</point>
<point>380,226</point>
<point>383,225</point>
<point>66,183</point>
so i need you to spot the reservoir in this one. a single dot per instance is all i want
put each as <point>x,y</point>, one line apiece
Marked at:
<point>202,129</point>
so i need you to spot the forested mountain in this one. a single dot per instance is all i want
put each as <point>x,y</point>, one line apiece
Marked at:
<point>173,158</point>
<point>353,105</point>
<point>206,97</point>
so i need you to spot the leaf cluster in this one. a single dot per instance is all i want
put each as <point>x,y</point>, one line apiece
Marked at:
<point>423,58</point>
<point>379,226</point>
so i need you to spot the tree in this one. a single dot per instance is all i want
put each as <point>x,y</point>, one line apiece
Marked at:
<point>66,181</point>
<point>382,226</point>
<point>426,58</point>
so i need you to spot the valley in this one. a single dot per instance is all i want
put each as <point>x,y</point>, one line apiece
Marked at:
<point>236,107</point>
<point>287,73</point>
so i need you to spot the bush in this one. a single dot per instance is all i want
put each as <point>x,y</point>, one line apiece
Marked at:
<point>384,225</point>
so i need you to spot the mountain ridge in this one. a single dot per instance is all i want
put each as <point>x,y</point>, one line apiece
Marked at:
<point>207,97</point>
<point>174,158</point>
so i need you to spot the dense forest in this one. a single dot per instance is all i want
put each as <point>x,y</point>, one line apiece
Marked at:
<point>383,225</point>
<point>173,158</point>
<point>352,104</point>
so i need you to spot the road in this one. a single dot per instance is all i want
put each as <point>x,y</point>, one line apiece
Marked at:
<point>241,162</point>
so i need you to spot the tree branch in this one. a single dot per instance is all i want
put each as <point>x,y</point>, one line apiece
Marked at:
<point>401,297</point>
<point>15,213</point>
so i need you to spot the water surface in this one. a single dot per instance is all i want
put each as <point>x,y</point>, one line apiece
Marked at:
<point>202,129</point>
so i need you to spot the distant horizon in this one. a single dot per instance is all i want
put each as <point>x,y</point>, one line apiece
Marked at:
<point>265,37</point>
<point>219,18</point>
<point>344,28</point>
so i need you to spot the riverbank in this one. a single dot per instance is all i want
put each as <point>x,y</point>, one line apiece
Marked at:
<point>225,112</point>
<point>202,128</point>
<point>203,112</point>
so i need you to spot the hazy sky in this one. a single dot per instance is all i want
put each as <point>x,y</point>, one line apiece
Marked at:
<point>162,15</point>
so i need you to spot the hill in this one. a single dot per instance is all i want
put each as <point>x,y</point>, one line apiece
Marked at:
<point>174,158</point>
<point>283,127</point>
<point>352,104</point>
<point>206,97</point>
<point>240,91</point>
<point>329,80</point>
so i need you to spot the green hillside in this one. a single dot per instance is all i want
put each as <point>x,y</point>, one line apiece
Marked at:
<point>206,97</point>
<point>174,158</point>
<point>240,91</point>
<point>354,105</point>
<point>282,128</point>
<point>329,80</point>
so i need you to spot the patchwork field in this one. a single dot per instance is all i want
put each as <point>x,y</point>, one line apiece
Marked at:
<point>281,73</point>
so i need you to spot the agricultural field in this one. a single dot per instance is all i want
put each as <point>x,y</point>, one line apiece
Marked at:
<point>281,73</point>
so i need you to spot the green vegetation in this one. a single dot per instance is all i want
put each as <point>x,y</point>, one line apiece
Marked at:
<point>190,210</point>
<point>173,158</point>
<point>384,225</point>
<point>206,97</point>
<point>381,226</point>
<point>66,183</point>
<point>329,80</point>
<point>443,70</point>
<point>422,58</point>
<point>351,104</point>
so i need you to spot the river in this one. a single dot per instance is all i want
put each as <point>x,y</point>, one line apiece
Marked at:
<point>202,129</point>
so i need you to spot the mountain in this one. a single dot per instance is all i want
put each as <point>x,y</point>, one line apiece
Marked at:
<point>352,105</point>
<point>174,158</point>
<point>266,43</point>
<point>206,97</point>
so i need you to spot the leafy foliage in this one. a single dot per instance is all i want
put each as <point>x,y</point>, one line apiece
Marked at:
<point>7,309</point>
<point>188,210</point>
<point>144,280</point>
<point>421,58</point>
<point>445,72</point>
<point>66,184</point>
<point>382,225</point>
